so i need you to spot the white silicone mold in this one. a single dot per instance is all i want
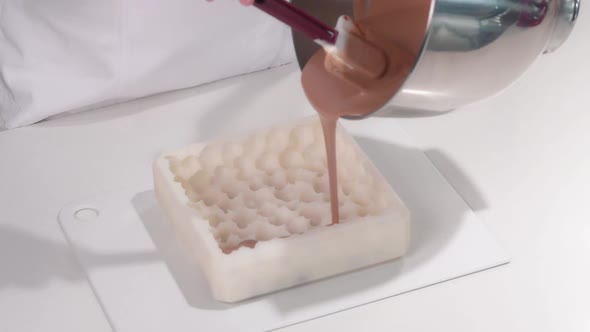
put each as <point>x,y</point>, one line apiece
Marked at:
<point>270,189</point>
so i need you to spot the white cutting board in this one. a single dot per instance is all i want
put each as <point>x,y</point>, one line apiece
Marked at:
<point>145,281</point>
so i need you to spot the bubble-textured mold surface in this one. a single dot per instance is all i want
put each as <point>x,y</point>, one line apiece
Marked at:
<point>255,210</point>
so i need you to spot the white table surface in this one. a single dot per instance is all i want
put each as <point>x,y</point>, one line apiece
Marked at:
<point>521,160</point>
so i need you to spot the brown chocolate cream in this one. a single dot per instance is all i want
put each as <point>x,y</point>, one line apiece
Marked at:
<point>348,86</point>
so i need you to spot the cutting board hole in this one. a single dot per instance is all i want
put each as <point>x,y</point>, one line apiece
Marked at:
<point>86,214</point>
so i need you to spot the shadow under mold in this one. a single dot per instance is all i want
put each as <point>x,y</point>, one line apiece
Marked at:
<point>431,229</point>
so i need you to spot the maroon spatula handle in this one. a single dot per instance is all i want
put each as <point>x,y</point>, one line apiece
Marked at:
<point>298,20</point>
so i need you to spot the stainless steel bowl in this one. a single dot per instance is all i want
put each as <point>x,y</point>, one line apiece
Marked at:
<point>467,50</point>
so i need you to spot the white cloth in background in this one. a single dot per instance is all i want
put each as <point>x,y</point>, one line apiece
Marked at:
<point>71,55</point>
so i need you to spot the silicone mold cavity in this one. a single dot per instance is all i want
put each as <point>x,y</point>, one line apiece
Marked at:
<point>255,210</point>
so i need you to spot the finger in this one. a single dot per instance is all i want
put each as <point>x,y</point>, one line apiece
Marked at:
<point>246,2</point>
